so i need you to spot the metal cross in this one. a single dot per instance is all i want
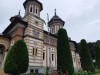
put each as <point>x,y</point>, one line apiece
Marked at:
<point>55,11</point>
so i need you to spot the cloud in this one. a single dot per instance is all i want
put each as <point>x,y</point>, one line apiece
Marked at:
<point>82,17</point>
<point>81,26</point>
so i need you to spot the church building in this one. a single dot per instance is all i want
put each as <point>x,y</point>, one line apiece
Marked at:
<point>42,45</point>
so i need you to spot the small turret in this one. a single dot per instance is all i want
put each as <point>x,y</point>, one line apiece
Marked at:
<point>55,23</point>
<point>33,6</point>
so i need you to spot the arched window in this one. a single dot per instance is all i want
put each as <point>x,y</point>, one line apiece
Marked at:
<point>33,51</point>
<point>30,8</point>
<point>52,57</point>
<point>36,52</point>
<point>52,30</point>
<point>43,55</point>
<point>36,11</point>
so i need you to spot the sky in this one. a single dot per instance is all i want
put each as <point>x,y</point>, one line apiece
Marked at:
<point>82,17</point>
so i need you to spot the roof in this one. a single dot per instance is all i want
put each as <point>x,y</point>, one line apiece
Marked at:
<point>16,16</point>
<point>46,32</point>
<point>14,20</point>
<point>56,18</point>
<point>5,36</point>
<point>76,45</point>
<point>34,1</point>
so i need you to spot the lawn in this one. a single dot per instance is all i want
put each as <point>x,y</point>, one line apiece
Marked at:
<point>97,74</point>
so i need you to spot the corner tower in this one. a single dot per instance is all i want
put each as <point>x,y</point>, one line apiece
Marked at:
<point>55,24</point>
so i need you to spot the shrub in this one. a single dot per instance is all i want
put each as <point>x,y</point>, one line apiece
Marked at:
<point>17,59</point>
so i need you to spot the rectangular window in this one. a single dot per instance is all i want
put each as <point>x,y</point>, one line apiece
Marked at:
<point>30,10</point>
<point>52,57</point>
<point>38,34</point>
<point>33,51</point>
<point>36,71</point>
<point>32,71</point>
<point>36,10</point>
<point>43,55</point>
<point>36,52</point>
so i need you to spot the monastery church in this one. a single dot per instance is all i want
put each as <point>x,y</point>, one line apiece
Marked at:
<point>42,47</point>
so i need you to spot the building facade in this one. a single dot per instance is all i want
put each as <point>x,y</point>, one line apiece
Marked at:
<point>42,45</point>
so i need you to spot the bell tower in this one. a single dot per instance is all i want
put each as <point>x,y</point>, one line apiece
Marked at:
<point>55,23</point>
<point>33,35</point>
<point>33,6</point>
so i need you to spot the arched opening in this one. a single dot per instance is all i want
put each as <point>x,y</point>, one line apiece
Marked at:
<point>2,51</point>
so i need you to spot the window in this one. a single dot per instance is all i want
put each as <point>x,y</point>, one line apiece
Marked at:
<point>36,71</point>
<point>38,33</point>
<point>33,51</point>
<point>30,8</point>
<point>36,52</point>
<point>52,30</point>
<point>32,71</point>
<point>52,57</point>
<point>43,55</point>
<point>36,10</point>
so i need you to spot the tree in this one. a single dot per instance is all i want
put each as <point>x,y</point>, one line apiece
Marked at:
<point>91,46</point>
<point>86,59</point>
<point>97,51</point>
<point>17,59</point>
<point>64,58</point>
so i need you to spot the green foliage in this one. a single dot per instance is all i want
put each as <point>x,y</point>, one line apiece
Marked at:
<point>64,58</point>
<point>86,59</point>
<point>91,46</point>
<point>89,73</point>
<point>17,59</point>
<point>97,48</point>
<point>47,69</point>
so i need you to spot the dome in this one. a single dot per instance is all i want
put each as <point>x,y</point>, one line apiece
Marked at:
<point>41,6</point>
<point>56,18</point>
<point>16,16</point>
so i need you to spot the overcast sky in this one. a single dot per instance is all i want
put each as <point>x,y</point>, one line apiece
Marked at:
<point>82,17</point>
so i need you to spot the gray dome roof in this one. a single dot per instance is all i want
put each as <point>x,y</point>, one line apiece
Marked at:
<point>56,18</point>
<point>41,6</point>
<point>16,16</point>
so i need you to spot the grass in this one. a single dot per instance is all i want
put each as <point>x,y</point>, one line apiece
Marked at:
<point>97,74</point>
<point>2,72</point>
